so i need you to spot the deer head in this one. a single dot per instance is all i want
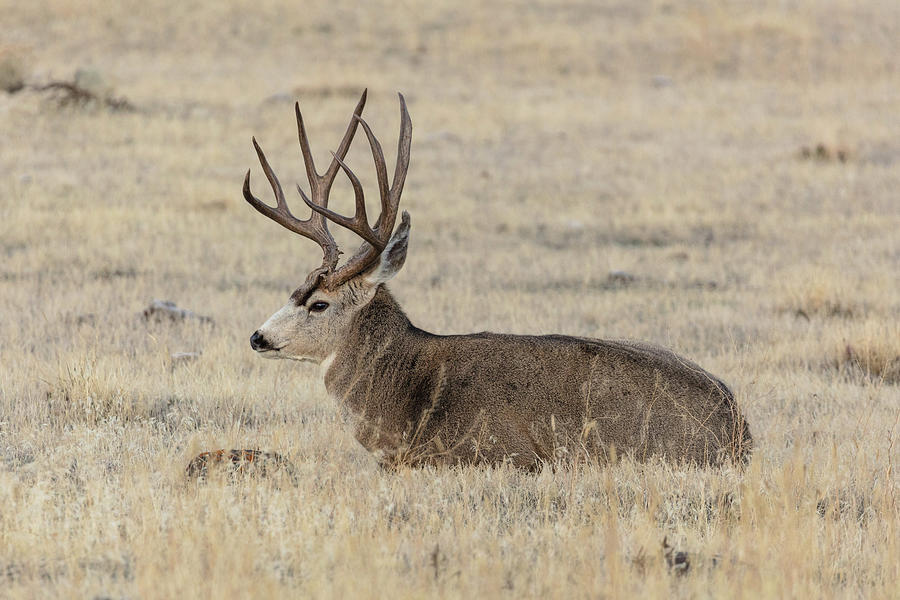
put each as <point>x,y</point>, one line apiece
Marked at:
<point>316,318</point>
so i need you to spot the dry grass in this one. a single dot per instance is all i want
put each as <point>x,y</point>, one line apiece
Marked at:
<point>841,292</point>
<point>553,143</point>
<point>870,349</point>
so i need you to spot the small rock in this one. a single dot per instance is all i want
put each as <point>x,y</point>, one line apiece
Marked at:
<point>184,357</point>
<point>661,81</point>
<point>160,310</point>
<point>621,277</point>
<point>441,137</point>
<point>93,81</point>
<point>86,319</point>
<point>279,98</point>
<point>12,73</point>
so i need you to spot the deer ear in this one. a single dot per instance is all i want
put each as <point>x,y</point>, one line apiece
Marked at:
<point>393,256</point>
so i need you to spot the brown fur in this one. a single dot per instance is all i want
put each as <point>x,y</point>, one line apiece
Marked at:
<point>424,398</point>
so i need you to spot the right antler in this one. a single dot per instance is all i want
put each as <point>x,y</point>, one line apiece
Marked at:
<point>316,227</point>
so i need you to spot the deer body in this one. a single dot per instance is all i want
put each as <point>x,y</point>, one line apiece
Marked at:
<point>424,398</point>
<point>487,397</point>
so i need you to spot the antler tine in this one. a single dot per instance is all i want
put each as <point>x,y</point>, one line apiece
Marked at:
<point>344,146</point>
<point>308,161</point>
<point>314,229</point>
<point>359,223</point>
<point>403,147</point>
<point>273,181</point>
<point>380,168</point>
<point>390,200</point>
<point>320,185</point>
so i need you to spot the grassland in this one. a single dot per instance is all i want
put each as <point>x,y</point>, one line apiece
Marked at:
<point>553,144</point>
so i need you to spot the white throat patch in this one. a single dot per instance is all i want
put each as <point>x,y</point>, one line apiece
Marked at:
<point>326,364</point>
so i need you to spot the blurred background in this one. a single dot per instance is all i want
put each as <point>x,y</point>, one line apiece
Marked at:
<point>593,160</point>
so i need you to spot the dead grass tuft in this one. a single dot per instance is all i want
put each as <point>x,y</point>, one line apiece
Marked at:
<point>871,351</point>
<point>91,392</point>
<point>825,153</point>
<point>828,293</point>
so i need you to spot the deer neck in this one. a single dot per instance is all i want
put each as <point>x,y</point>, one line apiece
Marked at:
<point>370,361</point>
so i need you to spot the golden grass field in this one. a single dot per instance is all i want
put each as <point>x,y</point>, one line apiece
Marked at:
<point>553,143</point>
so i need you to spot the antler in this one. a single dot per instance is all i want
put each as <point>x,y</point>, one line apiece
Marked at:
<point>377,237</point>
<point>316,226</point>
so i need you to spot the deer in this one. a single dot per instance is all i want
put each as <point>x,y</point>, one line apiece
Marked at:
<point>417,398</point>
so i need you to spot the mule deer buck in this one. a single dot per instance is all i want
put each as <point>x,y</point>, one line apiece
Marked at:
<point>423,398</point>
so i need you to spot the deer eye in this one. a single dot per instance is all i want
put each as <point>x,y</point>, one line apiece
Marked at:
<point>318,306</point>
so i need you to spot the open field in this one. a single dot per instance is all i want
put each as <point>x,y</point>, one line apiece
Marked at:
<point>553,144</point>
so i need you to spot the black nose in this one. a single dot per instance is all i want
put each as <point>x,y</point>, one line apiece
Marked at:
<point>258,342</point>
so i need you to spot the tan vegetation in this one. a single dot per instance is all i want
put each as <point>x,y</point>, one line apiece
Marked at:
<point>871,349</point>
<point>640,168</point>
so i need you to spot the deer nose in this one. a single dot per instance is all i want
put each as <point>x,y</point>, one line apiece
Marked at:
<point>258,342</point>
